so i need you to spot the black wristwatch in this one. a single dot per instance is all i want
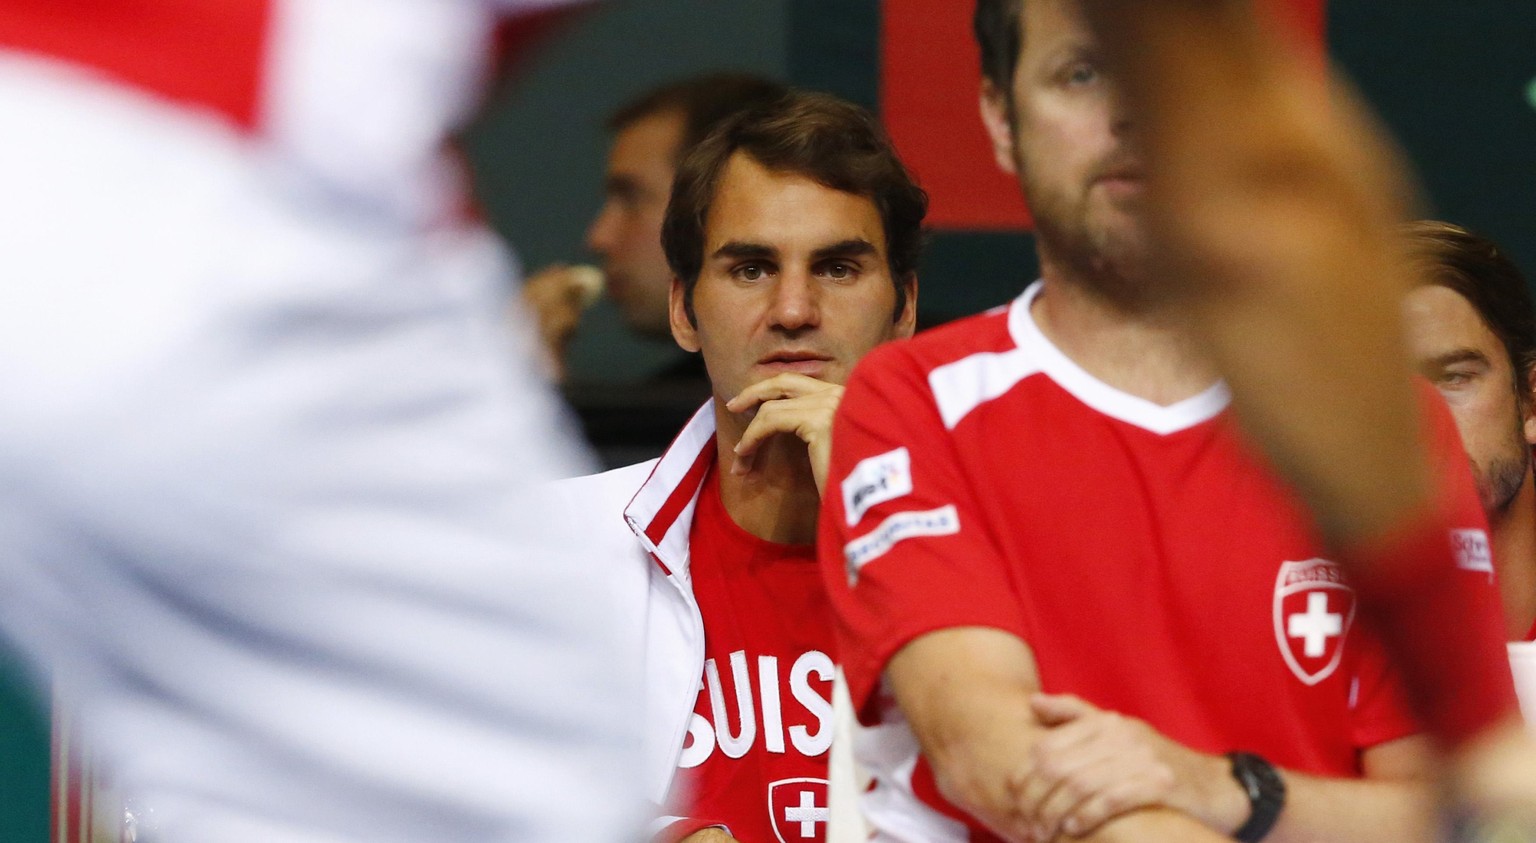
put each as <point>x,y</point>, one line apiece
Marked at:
<point>1266,794</point>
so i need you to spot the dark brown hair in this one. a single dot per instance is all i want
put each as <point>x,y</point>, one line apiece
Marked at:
<point>1478,270</point>
<point>1000,36</point>
<point>702,101</point>
<point>833,142</point>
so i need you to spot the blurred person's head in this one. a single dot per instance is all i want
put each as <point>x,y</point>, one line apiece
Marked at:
<point>1472,331</point>
<point>1058,126</point>
<point>794,234</point>
<point>650,136</point>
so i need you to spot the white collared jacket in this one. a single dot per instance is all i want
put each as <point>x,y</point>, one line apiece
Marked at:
<point>638,519</point>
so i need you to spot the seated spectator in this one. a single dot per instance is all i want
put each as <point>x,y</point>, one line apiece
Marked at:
<point>1472,331</point>
<point>1061,502</point>
<point>792,235</point>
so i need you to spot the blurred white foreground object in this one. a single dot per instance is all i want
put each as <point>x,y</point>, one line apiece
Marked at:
<point>847,780</point>
<point>266,450</point>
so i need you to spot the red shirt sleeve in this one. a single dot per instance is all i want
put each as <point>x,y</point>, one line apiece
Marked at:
<point>901,544</point>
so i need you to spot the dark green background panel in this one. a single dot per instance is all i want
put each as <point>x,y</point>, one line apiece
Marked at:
<point>24,748</point>
<point>834,46</point>
<point>966,272</point>
<point>1451,79</point>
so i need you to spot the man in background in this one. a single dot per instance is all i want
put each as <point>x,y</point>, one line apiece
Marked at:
<point>651,134</point>
<point>1472,332</point>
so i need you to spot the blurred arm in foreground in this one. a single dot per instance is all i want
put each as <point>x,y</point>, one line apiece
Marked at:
<point>1271,187</point>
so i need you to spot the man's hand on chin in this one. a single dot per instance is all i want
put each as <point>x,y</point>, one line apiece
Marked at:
<point>788,403</point>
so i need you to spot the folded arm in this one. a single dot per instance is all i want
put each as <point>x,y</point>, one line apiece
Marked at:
<point>966,692</point>
<point>1094,765</point>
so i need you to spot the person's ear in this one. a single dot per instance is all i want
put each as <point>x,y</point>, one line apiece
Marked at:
<point>1528,407</point>
<point>906,320</point>
<point>683,329</point>
<point>996,117</point>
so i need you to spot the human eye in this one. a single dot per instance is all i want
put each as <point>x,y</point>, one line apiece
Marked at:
<point>752,271</point>
<point>1449,377</point>
<point>1080,74</point>
<point>839,270</point>
<point>622,191</point>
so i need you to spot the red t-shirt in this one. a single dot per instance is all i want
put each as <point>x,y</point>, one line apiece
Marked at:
<point>756,755</point>
<point>1153,564</point>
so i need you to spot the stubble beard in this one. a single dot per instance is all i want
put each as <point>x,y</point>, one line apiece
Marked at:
<point>1108,257</point>
<point>1499,482</point>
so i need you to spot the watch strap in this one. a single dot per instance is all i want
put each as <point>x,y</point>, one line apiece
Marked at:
<point>1265,790</point>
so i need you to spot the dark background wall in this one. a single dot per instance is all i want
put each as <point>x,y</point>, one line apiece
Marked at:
<point>1454,81</point>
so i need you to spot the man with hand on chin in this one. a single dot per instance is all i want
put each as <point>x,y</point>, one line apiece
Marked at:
<point>793,234</point>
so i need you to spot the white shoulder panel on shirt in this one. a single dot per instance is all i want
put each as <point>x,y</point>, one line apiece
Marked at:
<point>962,386</point>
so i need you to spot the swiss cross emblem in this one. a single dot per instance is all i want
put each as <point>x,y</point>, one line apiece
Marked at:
<point>799,809</point>
<point>1314,609</point>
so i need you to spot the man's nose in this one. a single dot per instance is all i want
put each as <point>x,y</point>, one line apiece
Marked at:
<point>1120,122</point>
<point>796,301</point>
<point>603,232</point>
